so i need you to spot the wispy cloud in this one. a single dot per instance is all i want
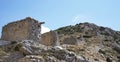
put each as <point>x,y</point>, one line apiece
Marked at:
<point>44,29</point>
<point>76,18</point>
<point>81,18</point>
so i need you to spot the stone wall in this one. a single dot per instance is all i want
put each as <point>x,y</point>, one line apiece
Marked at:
<point>15,31</point>
<point>27,28</point>
<point>35,30</point>
<point>49,38</point>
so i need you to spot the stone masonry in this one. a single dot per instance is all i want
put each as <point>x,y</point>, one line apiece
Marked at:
<point>49,39</point>
<point>24,29</point>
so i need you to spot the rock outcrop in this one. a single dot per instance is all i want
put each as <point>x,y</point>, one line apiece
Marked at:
<point>97,43</point>
<point>30,51</point>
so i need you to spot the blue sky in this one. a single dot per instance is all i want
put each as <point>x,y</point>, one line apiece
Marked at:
<point>58,13</point>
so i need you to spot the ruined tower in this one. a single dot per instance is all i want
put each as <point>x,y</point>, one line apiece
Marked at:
<point>25,29</point>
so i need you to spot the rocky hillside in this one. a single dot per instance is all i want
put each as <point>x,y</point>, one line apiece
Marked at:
<point>84,42</point>
<point>96,43</point>
<point>30,51</point>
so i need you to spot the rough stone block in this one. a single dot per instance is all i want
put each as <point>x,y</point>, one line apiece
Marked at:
<point>49,39</point>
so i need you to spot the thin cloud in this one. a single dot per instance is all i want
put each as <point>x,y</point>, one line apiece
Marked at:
<point>44,29</point>
<point>76,18</point>
<point>79,18</point>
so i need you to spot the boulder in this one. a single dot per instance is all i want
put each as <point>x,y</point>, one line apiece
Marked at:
<point>58,52</point>
<point>29,47</point>
<point>70,57</point>
<point>80,59</point>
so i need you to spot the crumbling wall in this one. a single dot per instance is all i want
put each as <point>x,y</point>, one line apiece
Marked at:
<point>28,29</point>
<point>15,31</point>
<point>35,30</point>
<point>25,29</point>
<point>49,39</point>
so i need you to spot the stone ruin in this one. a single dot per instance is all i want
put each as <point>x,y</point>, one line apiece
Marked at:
<point>49,38</point>
<point>28,29</point>
<point>25,29</point>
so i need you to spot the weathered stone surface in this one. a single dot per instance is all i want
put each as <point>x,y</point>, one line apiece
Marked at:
<point>21,30</point>
<point>59,53</point>
<point>63,54</point>
<point>116,47</point>
<point>3,43</point>
<point>91,39</point>
<point>49,38</point>
<point>7,45</point>
<point>32,58</point>
<point>80,59</point>
<point>12,57</point>
<point>71,40</point>
<point>54,54</point>
<point>35,52</point>
<point>51,59</point>
<point>30,47</point>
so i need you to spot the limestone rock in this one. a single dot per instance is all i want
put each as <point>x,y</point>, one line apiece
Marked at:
<point>12,57</point>
<point>51,59</point>
<point>30,47</point>
<point>58,53</point>
<point>63,54</point>
<point>81,59</point>
<point>32,58</point>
